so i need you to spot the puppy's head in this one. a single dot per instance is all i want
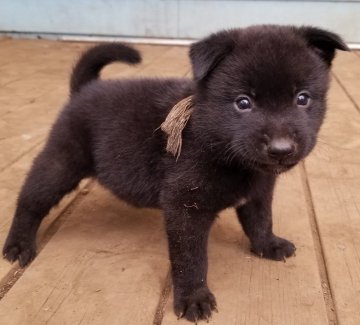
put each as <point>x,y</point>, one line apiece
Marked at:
<point>261,92</point>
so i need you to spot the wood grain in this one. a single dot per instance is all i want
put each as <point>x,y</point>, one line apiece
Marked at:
<point>347,71</point>
<point>334,179</point>
<point>106,265</point>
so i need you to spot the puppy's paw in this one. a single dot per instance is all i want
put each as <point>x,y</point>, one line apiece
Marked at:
<point>276,249</point>
<point>196,306</point>
<point>23,249</point>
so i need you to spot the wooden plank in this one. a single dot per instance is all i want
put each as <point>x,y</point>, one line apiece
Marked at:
<point>334,179</point>
<point>22,127</point>
<point>11,181</point>
<point>105,265</point>
<point>59,63</point>
<point>347,71</point>
<point>250,290</point>
<point>30,103</point>
<point>174,63</point>
<point>151,55</point>
<point>22,132</point>
<point>21,58</point>
<point>25,127</point>
<point>17,77</point>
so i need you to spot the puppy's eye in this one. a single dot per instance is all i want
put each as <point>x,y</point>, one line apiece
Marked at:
<point>303,100</point>
<point>243,103</point>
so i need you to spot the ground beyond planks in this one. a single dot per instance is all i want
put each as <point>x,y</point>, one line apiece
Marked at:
<point>103,262</point>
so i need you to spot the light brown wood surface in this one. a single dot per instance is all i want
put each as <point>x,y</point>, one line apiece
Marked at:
<point>103,262</point>
<point>334,178</point>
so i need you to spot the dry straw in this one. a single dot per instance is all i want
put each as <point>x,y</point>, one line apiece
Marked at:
<point>174,124</point>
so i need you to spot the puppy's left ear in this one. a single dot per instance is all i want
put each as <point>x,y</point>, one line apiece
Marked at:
<point>323,42</point>
<point>206,54</point>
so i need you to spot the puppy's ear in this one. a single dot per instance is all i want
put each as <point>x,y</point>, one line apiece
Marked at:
<point>206,54</point>
<point>324,43</point>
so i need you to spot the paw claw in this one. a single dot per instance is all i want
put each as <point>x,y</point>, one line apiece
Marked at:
<point>22,250</point>
<point>196,306</point>
<point>275,248</point>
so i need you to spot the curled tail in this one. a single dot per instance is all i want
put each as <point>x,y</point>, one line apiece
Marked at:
<point>93,60</point>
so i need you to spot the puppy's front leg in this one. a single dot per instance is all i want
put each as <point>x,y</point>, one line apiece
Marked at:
<point>256,218</point>
<point>188,232</point>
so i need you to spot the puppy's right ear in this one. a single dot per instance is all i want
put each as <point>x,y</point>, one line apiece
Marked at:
<point>206,54</point>
<point>323,42</point>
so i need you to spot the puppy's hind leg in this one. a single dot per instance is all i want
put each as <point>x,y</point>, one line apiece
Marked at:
<point>55,172</point>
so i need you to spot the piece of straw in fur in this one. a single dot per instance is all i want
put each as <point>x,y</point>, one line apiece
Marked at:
<point>174,124</point>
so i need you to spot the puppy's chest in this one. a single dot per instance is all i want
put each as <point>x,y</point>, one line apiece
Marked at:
<point>225,189</point>
<point>233,193</point>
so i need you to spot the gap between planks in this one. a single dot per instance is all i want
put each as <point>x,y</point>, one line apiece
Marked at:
<point>15,273</point>
<point>166,290</point>
<point>318,248</point>
<point>164,297</point>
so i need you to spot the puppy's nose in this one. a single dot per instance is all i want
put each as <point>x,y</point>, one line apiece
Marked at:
<point>280,148</point>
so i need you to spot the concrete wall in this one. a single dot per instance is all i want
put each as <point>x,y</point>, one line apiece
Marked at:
<point>172,18</point>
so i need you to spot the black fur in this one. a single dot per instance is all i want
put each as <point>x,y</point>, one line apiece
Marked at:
<point>91,62</point>
<point>109,130</point>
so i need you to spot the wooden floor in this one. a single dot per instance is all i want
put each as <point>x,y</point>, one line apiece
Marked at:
<point>103,262</point>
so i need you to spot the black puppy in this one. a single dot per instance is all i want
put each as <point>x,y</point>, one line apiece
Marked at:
<point>259,100</point>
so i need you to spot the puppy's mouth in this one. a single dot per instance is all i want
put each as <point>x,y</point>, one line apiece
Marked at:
<point>276,168</point>
<point>267,165</point>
